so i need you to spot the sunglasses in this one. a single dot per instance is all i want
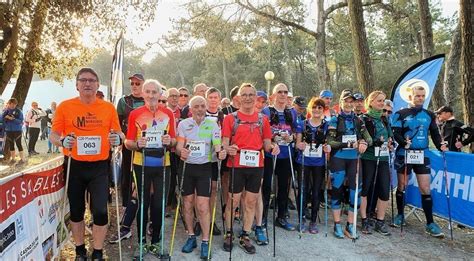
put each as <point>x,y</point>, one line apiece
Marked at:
<point>162,101</point>
<point>183,95</point>
<point>282,92</point>
<point>387,111</point>
<point>135,83</point>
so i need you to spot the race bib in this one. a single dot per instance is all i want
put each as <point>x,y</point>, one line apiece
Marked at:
<point>312,152</point>
<point>383,150</point>
<point>349,138</point>
<point>197,148</point>
<point>88,145</point>
<point>249,158</point>
<point>153,139</point>
<point>415,157</point>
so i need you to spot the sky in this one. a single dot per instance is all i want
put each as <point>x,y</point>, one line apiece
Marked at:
<point>172,9</point>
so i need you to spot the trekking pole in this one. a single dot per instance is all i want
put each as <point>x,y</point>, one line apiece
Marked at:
<point>448,197</point>
<point>391,183</point>
<point>356,195</point>
<point>301,193</point>
<point>213,220</point>
<point>66,186</point>
<point>177,208</point>
<point>273,198</point>
<point>232,208</point>
<point>117,213</point>
<point>405,183</point>
<point>293,181</point>
<point>371,199</point>
<point>142,196</point>
<point>163,255</point>
<point>326,181</point>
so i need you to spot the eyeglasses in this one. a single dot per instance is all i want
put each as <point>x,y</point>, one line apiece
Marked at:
<point>318,107</point>
<point>173,96</point>
<point>135,83</point>
<point>84,80</point>
<point>282,92</point>
<point>387,111</point>
<point>183,95</point>
<point>162,101</point>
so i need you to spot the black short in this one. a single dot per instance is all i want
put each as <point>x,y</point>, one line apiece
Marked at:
<point>92,176</point>
<point>215,171</point>
<point>248,178</point>
<point>417,168</point>
<point>197,177</point>
<point>224,165</point>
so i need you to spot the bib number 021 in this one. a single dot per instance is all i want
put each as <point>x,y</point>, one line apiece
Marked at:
<point>415,157</point>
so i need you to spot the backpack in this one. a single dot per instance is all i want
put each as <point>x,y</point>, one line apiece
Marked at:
<point>319,138</point>
<point>341,126</point>
<point>237,122</point>
<point>370,126</point>
<point>274,120</point>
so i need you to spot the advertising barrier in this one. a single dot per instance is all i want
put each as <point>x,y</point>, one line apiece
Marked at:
<point>30,203</point>
<point>460,170</point>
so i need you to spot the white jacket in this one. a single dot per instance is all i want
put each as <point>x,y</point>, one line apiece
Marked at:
<point>33,117</point>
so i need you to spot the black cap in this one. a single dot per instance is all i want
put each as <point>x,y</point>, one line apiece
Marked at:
<point>358,96</point>
<point>444,109</point>
<point>139,76</point>
<point>346,94</point>
<point>300,101</point>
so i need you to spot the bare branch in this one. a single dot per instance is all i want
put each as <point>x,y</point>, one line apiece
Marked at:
<point>336,6</point>
<point>253,9</point>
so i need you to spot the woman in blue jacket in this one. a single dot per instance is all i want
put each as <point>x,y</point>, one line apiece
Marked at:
<point>13,120</point>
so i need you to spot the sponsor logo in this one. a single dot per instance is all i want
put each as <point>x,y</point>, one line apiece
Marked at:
<point>52,211</point>
<point>28,250</point>
<point>20,228</point>
<point>87,122</point>
<point>7,237</point>
<point>41,212</point>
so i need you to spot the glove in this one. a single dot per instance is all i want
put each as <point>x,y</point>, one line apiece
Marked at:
<point>114,139</point>
<point>68,141</point>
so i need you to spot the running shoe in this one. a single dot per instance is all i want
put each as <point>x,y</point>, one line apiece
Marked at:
<point>154,249</point>
<point>246,245</point>
<point>204,250</point>
<point>260,236</point>
<point>434,230</point>
<point>136,253</point>
<point>228,242</point>
<point>282,222</point>
<point>381,228</point>
<point>189,245</point>
<point>338,231</point>
<point>313,228</point>
<point>125,233</point>
<point>397,221</point>
<point>302,228</point>
<point>366,226</point>
<point>349,231</point>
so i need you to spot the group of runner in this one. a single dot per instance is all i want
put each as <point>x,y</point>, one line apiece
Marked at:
<point>187,152</point>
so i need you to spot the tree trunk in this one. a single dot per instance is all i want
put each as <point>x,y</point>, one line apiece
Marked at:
<point>224,75</point>
<point>467,62</point>
<point>452,68</point>
<point>322,72</point>
<point>360,47</point>
<point>288,78</point>
<point>426,30</point>
<point>9,66</point>
<point>32,53</point>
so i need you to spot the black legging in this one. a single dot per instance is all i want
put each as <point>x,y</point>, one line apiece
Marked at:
<point>153,177</point>
<point>283,172</point>
<point>14,137</point>
<point>313,180</point>
<point>34,134</point>
<point>126,181</point>
<point>382,184</point>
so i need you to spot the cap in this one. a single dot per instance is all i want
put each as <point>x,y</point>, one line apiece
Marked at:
<point>444,109</point>
<point>325,94</point>
<point>262,94</point>
<point>300,101</point>
<point>346,94</point>
<point>358,96</point>
<point>139,76</point>
<point>290,94</point>
<point>100,94</point>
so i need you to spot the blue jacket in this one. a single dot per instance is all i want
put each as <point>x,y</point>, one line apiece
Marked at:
<point>17,123</point>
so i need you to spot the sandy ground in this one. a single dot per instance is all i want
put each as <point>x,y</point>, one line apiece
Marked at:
<point>413,244</point>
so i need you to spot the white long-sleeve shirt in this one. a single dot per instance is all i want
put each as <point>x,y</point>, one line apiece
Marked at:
<point>33,117</point>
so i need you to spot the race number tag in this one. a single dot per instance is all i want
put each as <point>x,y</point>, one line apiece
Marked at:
<point>415,157</point>
<point>311,152</point>
<point>249,158</point>
<point>349,138</point>
<point>153,139</point>
<point>88,145</point>
<point>383,150</point>
<point>197,148</point>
